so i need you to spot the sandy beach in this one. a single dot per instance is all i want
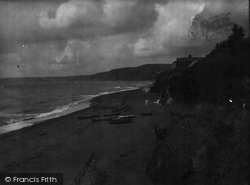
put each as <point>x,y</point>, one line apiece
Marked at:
<point>64,144</point>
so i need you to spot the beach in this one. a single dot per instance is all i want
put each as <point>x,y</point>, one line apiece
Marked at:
<point>64,144</point>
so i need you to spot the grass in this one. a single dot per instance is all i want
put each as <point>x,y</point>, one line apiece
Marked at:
<point>205,144</point>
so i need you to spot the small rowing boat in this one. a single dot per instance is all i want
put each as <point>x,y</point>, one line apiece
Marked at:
<point>120,121</point>
<point>112,114</point>
<point>146,114</point>
<point>87,117</point>
<point>126,116</point>
<point>100,119</point>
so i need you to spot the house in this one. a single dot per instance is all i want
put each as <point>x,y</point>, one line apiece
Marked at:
<point>183,62</point>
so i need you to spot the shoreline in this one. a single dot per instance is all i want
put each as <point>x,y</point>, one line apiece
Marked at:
<point>34,121</point>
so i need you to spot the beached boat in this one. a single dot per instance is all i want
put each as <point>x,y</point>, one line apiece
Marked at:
<point>146,114</point>
<point>120,121</point>
<point>126,116</point>
<point>87,117</point>
<point>112,114</point>
<point>101,119</point>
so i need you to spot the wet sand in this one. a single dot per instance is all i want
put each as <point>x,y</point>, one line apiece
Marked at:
<point>64,144</point>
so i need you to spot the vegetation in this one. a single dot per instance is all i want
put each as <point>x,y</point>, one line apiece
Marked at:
<point>204,145</point>
<point>208,139</point>
<point>222,76</point>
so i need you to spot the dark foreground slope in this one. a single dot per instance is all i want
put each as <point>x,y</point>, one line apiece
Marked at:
<point>204,145</point>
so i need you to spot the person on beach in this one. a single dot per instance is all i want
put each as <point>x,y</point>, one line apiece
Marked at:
<point>163,100</point>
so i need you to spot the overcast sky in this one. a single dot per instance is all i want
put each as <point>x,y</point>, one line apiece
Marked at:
<point>78,37</point>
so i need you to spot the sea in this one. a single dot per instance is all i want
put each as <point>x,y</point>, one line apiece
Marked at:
<point>24,102</point>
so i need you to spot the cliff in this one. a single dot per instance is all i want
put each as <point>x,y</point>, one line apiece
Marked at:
<point>222,77</point>
<point>207,142</point>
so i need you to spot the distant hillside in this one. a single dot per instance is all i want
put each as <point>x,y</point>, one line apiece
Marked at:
<point>140,73</point>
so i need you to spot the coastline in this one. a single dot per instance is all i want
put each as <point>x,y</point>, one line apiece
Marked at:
<point>85,104</point>
<point>63,144</point>
<point>72,114</point>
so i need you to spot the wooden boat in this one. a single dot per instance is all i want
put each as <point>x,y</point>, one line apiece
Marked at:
<point>101,119</point>
<point>120,121</point>
<point>146,114</point>
<point>87,117</point>
<point>126,116</point>
<point>112,114</point>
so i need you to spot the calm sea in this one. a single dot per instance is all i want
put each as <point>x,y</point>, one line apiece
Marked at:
<point>26,102</point>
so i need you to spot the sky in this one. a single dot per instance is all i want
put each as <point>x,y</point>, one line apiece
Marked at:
<point>41,38</point>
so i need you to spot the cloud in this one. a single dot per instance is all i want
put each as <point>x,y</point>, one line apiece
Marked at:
<point>19,24</point>
<point>76,37</point>
<point>67,54</point>
<point>79,18</point>
<point>111,47</point>
<point>170,29</point>
<point>238,9</point>
<point>24,22</point>
<point>72,13</point>
<point>33,60</point>
<point>147,47</point>
<point>78,57</point>
<point>129,15</point>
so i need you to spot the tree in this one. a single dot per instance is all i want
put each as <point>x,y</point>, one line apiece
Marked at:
<point>235,39</point>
